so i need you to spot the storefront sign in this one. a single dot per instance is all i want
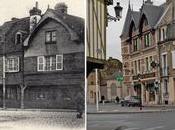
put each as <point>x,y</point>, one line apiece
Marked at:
<point>144,76</point>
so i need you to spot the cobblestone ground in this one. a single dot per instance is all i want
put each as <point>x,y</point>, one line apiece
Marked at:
<point>34,120</point>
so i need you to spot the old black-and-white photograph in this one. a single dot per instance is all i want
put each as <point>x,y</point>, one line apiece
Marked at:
<point>42,65</point>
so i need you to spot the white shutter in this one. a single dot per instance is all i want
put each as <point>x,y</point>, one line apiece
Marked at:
<point>173,59</point>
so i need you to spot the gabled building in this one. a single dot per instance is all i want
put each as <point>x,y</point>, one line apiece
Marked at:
<point>166,45</point>
<point>50,65</point>
<point>139,50</point>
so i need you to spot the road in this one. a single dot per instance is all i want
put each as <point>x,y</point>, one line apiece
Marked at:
<point>142,121</point>
<point>34,120</point>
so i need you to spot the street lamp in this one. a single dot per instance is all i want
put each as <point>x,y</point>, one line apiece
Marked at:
<point>118,13</point>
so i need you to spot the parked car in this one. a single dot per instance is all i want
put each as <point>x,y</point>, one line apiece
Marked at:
<point>131,101</point>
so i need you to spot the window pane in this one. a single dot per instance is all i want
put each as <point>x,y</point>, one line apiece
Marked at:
<point>54,36</point>
<point>48,36</point>
<point>59,60</point>
<point>59,66</point>
<point>41,63</point>
<point>53,63</point>
<point>47,63</point>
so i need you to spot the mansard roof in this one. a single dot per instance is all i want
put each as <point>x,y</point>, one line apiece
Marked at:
<point>151,12</point>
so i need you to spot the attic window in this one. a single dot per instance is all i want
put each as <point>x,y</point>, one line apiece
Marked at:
<point>18,38</point>
<point>50,36</point>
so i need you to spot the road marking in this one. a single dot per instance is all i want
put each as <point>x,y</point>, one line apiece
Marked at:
<point>154,128</point>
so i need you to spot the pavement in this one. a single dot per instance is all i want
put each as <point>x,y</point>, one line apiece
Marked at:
<point>10,119</point>
<point>137,121</point>
<point>113,108</point>
<point>39,110</point>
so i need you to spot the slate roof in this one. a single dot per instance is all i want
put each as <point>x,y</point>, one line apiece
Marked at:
<point>74,22</point>
<point>9,29</point>
<point>152,13</point>
<point>131,16</point>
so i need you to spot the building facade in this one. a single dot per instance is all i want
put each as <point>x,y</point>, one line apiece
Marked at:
<point>96,33</point>
<point>109,87</point>
<point>45,68</point>
<point>140,51</point>
<point>166,44</point>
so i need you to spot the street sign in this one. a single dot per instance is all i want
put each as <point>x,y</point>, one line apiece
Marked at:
<point>119,78</point>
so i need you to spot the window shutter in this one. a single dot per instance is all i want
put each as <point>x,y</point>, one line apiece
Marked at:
<point>173,59</point>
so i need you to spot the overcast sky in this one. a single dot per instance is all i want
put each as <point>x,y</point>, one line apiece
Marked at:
<point>20,8</point>
<point>115,28</point>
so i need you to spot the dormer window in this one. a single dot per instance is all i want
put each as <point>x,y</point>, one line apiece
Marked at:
<point>50,36</point>
<point>18,38</point>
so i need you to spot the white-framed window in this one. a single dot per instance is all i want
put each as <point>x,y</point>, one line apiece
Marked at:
<point>50,63</point>
<point>12,64</point>
<point>173,59</point>
<point>41,63</point>
<point>18,38</point>
<point>147,40</point>
<point>164,64</point>
<point>59,62</point>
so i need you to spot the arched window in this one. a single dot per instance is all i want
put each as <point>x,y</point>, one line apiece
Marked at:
<point>18,38</point>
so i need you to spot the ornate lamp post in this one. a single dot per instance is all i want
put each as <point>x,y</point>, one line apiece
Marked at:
<point>118,13</point>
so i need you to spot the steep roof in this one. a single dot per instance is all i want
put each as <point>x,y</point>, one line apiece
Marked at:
<point>131,16</point>
<point>9,30</point>
<point>152,13</point>
<point>75,25</point>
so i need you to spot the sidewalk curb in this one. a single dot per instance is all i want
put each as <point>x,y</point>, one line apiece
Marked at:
<point>132,112</point>
<point>38,110</point>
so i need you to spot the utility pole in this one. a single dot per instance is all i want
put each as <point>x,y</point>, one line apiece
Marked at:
<point>3,75</point>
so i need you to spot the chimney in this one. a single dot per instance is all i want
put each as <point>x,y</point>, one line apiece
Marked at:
<point>148,2</point>
<point>61,8</point>
<point>35,16</point>
<point>35,10</point>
